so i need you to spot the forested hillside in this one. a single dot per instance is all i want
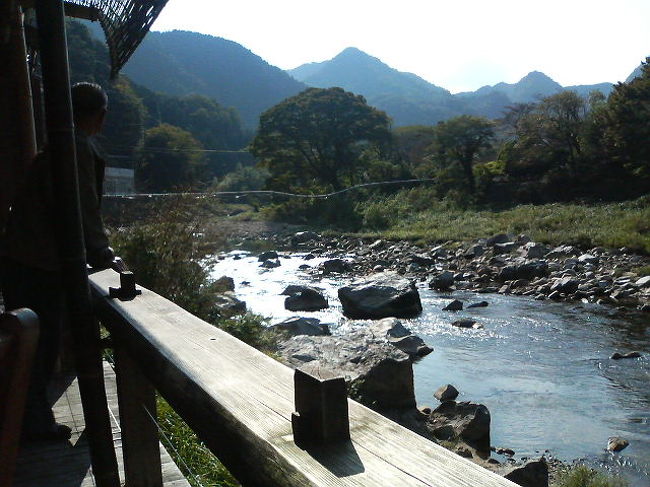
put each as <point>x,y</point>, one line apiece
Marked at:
<point>182,63</point>
<point>136,113</point>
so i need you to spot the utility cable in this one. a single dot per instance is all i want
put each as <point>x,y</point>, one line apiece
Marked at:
<point>237,194</point>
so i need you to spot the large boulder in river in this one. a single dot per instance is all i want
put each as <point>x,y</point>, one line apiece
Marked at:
<point>378,375</point>
<point>384,295</point>
<point>304,298</point>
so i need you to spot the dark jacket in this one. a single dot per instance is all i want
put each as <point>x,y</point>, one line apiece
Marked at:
<point>30,236</point>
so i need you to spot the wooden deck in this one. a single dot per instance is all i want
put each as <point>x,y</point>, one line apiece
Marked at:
<point>67,464</point>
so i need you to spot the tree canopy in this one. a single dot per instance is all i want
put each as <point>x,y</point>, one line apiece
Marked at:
<point>315,139</point>
<point>169,159</point>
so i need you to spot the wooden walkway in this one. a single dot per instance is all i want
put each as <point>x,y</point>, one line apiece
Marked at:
<point>67,464</point>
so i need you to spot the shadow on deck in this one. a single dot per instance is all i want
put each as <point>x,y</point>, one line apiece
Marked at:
<point>67,464</point>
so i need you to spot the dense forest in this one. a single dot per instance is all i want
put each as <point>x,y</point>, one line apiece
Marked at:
<point>563,147</point>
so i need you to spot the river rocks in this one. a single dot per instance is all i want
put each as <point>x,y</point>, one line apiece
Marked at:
<point>534,250</point>
<point>469,421</point>
<point>618,355</point>
<point>383,295</point>
<point>270,255</point>
<point>455,305</point>
<point>504,248</point>
<point>270,264</point>
<point>227,304</point>
<point>338,266</point>
<point>498,239</point>
<point>224,283</point>
<point>643,282</point>
<point>616,443</point>
<point>446,393</point>
<point>467,324</point>
<point>480,304</point>
<point>304,298</point>
<point>533,473</point>
<point>565,285</point>
<point>442,281</point>
<point>303,237</point>
<point>588,259</point>
<point>400,337</point>
<point>297,325</point>
<point>378,375</point>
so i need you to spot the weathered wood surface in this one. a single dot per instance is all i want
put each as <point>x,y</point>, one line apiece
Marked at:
<point>137,401</point>
<point>67,464</point>
<point>239,401</point>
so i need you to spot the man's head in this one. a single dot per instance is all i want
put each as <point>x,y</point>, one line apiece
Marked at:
<point>89,105</point>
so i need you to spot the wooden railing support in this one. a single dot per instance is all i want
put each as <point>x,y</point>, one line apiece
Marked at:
<point>321,415</point>
<point>137,402</point>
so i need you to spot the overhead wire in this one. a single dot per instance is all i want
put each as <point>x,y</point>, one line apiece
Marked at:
<point>200,194</point>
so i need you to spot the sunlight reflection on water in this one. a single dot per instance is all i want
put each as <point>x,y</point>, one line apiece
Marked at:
<point>541,368</point>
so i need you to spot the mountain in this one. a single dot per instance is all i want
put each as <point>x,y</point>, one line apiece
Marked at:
<point>355,71</point>
<point>406,97</point>
<point>181,62</point>
<point>530,88</point>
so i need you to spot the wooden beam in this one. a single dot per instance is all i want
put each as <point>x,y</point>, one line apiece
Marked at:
<point>71,10</point>
<point>137,402</point>
<point>239,402</point>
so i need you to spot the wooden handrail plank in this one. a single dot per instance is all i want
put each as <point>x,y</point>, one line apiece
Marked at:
<point>239,401</point>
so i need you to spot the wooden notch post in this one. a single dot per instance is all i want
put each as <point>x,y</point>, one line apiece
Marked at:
<point>137,401</point>
<point>321,415</point>
<point>83,325</point>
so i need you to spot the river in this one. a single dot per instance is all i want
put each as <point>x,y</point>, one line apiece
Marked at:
<point>542,368</point>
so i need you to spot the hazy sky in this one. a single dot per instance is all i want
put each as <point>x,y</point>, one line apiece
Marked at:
<point>457,44</point>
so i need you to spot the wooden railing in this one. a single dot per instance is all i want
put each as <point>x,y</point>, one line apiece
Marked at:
<point>240,403</point>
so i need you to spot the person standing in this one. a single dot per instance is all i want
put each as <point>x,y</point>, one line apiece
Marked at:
<point>30,269</point>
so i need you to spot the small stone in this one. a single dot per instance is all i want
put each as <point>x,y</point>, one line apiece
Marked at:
<point>618,356</point>
<point>616,443</point>
<point>455,305</point>
<point>270,255</point>
<point>467,324</point>
<point>480,304</point>
<point>446,393</point>
<point>463,452</point>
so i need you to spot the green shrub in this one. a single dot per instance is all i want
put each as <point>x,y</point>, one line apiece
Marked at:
<point>583,476</point>
<point>251,329</point>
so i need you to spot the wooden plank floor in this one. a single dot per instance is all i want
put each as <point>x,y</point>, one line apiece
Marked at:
<point>67,464</point>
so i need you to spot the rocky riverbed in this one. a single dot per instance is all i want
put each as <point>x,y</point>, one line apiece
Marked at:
<point>501,264</point>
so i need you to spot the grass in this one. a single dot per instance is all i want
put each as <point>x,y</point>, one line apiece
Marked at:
<point>197,463</point>
<point>583,476</point>
<point>610,225</point>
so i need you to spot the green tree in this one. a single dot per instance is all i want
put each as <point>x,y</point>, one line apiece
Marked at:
<point>625,126</point>
<point>458,141</point>
<point>169,159</point>
<point>315,139</point>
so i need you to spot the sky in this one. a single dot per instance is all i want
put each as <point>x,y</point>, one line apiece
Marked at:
<point>459,45</point>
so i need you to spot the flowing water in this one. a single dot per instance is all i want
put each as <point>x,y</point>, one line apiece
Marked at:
<point>541,368</point>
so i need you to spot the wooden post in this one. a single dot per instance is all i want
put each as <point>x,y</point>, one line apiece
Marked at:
<point>322,409</point>
<point>17,135</point>
<point>84,327</point>
<point>18,340</point>
<point>137,400</point>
